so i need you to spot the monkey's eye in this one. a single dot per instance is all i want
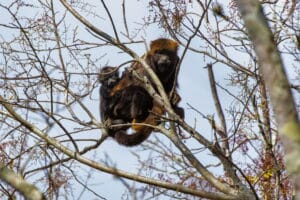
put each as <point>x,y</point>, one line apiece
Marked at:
<point>159,51</point>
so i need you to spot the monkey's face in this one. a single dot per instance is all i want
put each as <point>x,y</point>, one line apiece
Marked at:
<point>163,62</point>
<point>109,76</point>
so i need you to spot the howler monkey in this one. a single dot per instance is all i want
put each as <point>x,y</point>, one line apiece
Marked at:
<point>127,100</point>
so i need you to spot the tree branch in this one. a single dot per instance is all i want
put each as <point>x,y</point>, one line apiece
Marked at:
<point>110,170</point>
<point>29,191</point>
<point>272,70</point>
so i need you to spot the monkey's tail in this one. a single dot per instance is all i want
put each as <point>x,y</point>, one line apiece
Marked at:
<point>141,132</point>
<point>133,139</point>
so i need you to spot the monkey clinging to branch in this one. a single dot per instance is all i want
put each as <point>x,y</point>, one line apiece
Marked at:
<point>124,99</point>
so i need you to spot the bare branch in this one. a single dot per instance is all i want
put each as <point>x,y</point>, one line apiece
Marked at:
<point>110,170</point>
<point>29,191</point>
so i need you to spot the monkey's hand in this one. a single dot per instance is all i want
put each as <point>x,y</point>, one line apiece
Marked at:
<point>179,111</point>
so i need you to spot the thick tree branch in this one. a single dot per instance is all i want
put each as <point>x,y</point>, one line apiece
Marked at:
<point>29,191</point>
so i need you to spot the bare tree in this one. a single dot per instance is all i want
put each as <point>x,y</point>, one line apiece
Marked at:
<point>51,135</point>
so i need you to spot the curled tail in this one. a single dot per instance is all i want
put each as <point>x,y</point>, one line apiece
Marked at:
<point>136,138</point>
<point>141,132</point>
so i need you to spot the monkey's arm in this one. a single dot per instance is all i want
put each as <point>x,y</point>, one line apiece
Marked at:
<point>175,99</point>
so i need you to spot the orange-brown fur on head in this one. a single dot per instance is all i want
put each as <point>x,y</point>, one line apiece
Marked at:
<point>163,44</point>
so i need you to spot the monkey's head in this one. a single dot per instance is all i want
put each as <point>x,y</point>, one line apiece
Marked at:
<point>162,57</point>
<point>109,76</point>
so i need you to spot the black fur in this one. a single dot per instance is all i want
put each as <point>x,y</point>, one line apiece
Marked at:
<point>108,78</point>
<point>134,102</point>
